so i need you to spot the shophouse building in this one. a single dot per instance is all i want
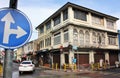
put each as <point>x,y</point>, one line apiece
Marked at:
<point>78,32</point>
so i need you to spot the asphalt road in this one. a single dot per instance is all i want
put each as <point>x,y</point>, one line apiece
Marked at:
<point>111,73</point>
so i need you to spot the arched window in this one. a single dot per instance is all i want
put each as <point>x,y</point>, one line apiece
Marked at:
<point>98,38</point>
<point>103,39</point>
<point>75,37</point>
<point>81,38</point>
<point>87,38</point>
<point>94,38</point>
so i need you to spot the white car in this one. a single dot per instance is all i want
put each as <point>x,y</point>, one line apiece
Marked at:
<point>26,66</point>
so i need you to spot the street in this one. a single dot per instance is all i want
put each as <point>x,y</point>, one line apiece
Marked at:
<point>110,73</point>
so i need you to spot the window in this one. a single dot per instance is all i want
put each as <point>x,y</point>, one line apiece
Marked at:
<point>112,40</point>
<point>56,20</point>
<point>26,62</point>
<point>97,20</point>
<point>42,44</point>
<point>103,39</point>
<point>110,24</point>
<point>98,38</point>
<point>75,37</point>
<point>57,39</point>
<point>66,36</point>
<point>41,30</point>
<point>48,41</point>
<point>87,38</point>
<point>81,38</point>
<point>48,25</point>
<point>81,15</point>
<point>94,38</point>
<point>65,15</point>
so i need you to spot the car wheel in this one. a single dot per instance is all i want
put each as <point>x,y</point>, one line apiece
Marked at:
<point>32,72</point>
<point>20,72</point>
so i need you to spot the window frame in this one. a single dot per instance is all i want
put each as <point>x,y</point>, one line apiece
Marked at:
<point>57,20</point>
<point>80,15</point>
<point>75,37</point>
<point>81,38</point>
<point>41,29</point>
<point>48,25</point>
<point>110,24</point>
<point>65,14</point>
<point>112,40</point>
<point>66,33</point>
<point>87,38</point>
<point>57,38</point>
<point>97,20</point>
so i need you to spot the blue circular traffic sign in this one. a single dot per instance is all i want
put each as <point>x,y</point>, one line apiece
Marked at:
<point>15,28</point>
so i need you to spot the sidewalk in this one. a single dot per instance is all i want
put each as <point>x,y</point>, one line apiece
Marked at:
<point>50,71</point>
<point>82,73</point>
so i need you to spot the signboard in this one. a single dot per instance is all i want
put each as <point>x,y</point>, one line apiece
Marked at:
<point>15,28</point>
<point>75,47</point>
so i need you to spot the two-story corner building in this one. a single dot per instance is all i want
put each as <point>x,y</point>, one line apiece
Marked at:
<point>92,35</point>
<point>27,51</point>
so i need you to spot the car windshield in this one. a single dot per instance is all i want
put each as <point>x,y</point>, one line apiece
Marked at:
<point>26,62</point>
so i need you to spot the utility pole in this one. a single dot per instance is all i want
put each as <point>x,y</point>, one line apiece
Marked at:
<point>7,73</point>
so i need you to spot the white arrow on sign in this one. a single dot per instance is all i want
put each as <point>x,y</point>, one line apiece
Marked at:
<point>7,31</point>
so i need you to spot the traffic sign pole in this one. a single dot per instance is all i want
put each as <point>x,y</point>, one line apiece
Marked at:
<point>13,4</point>
<point>7,73</point>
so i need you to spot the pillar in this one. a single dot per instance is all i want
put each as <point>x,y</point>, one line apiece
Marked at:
<point>91,57</point>
<point>71,54</point>
<point>107,56</point>
<point>62,57</point>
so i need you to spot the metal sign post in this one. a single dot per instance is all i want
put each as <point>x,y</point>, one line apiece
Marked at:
<point>7,72</point>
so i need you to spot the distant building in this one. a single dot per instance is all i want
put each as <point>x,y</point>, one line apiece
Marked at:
<point>27,51</point>
<point>77,32</point>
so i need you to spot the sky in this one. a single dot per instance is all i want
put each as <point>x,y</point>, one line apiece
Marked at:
<point>39,10</point>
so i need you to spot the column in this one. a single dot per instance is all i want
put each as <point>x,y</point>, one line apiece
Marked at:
<point>89,17</point>
<point>70,14</point>
<point>91,57</point>
<point>70,35</point>
<point>91,41</point>
<point>71,54</point>
<point>61,15</point>
<point>107,56</point>
<point>105,23</point>
<point>62,37</point>
<point>62,59</point>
